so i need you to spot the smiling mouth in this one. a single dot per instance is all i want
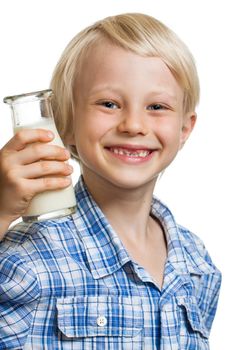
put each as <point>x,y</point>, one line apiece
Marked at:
<point>134,153</point>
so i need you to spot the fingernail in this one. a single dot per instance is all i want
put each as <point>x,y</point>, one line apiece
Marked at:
<point>50,134</point>
<point>67,180</point>
<point>67,153</point>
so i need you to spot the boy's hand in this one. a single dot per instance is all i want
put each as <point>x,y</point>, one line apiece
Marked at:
<point>29,165</point>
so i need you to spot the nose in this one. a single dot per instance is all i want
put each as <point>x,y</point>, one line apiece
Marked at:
<point>133,122</point>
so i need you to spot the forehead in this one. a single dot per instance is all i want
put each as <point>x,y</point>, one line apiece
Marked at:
<point>108,65</point>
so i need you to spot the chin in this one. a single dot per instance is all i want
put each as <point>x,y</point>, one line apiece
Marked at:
<point>131,183</point>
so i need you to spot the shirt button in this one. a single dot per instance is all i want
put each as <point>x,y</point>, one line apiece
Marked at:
<point>101,321</point>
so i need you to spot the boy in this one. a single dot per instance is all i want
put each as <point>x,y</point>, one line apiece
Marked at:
<point>120,273</point>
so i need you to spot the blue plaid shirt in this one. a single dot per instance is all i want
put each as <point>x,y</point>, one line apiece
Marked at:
<point>69,284</point>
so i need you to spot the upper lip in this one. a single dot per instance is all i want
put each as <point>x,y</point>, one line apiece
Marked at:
<point>132,147</point>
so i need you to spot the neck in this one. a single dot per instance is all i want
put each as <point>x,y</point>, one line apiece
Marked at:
<point>127,210</point>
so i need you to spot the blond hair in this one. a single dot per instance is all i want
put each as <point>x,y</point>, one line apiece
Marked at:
<point>139,33</point>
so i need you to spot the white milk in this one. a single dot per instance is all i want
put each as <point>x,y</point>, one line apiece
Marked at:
<point>49,201</point>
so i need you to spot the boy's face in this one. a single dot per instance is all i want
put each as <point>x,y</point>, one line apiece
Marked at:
<point>129,122</point>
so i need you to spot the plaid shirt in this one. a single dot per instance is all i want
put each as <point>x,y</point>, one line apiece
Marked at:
<point>69,284</point>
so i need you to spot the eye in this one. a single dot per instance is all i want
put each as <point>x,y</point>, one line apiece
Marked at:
<point>156,107</point>
<point>109,104</point>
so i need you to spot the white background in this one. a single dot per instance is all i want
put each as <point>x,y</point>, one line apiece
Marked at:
<point>197,186</point>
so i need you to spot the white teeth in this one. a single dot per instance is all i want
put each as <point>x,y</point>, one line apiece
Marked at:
<point>122,151</point>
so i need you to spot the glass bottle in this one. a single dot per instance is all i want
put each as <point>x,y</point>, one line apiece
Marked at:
<point>34,110</point>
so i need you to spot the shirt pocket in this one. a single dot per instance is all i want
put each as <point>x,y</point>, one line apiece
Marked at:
<point>193,331</point>
<point>100,316</point>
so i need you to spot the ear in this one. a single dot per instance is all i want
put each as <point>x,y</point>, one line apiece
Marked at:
<point>189,121</point>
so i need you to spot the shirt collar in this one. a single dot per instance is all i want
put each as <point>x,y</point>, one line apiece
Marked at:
<point>185,250</point>
<point>105,251</point>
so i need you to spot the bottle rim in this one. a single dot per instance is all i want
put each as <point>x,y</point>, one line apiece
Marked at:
<point>28,97</point>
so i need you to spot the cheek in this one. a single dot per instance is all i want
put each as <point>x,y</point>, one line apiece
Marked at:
<point>169,133</point>
<point>92,127</point>
<point>87,136</point>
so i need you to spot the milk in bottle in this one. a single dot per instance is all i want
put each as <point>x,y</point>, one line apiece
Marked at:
<point>34,110</point>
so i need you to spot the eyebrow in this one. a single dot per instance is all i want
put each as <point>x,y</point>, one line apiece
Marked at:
<point>163,94</point>
<point>102,88</point>
<point>157,93</point>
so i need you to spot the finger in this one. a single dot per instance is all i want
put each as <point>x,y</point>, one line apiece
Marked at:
<point>44,168</point>
<point>35,152</point>
<point>48,184</point>
<point>27,136</point>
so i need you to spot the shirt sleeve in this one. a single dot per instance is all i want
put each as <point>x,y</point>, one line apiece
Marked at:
<point>19,292</point>
<point>207,288</point>
<point>212,292</point>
